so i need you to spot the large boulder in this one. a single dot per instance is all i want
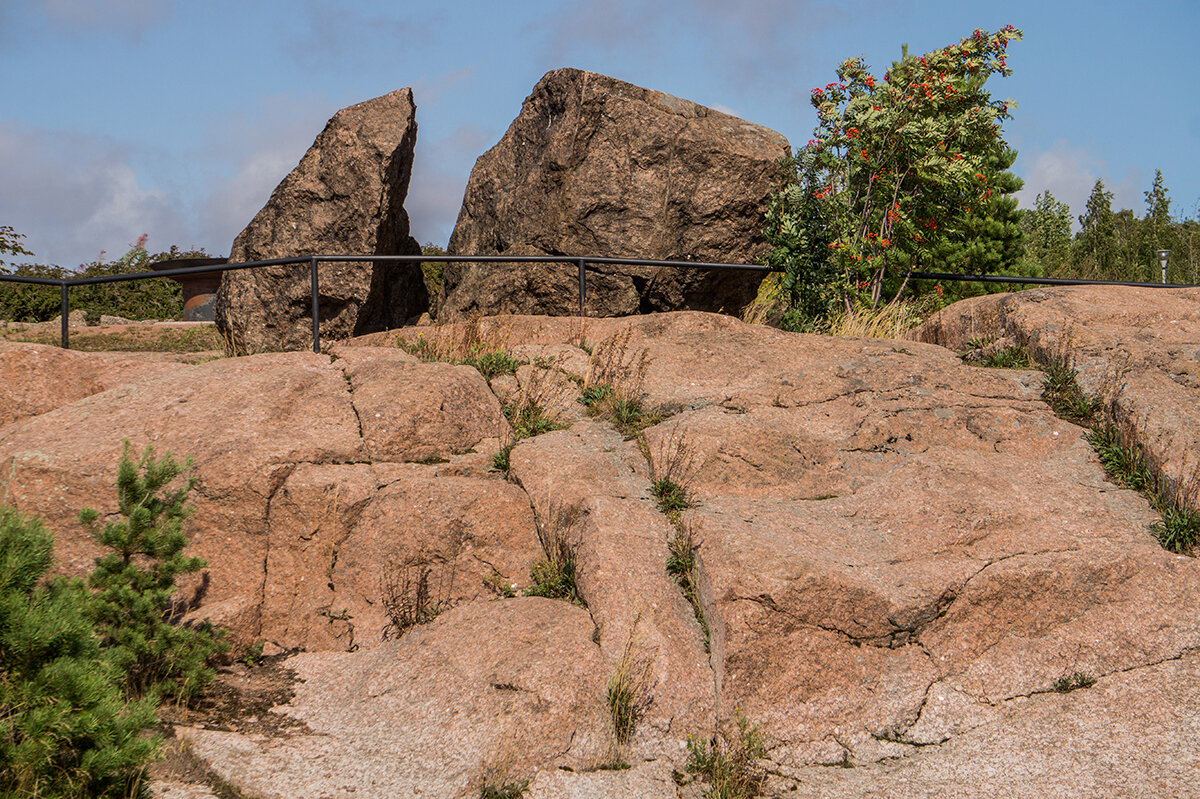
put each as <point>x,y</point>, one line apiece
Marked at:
<point>597,166</point>
<point>346,196</point>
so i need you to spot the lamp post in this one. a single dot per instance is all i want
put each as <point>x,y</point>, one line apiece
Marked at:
<point>1162,261</point>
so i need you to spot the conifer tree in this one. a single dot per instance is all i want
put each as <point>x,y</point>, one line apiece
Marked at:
<point>1096,244</point>
<point>1048,233</point>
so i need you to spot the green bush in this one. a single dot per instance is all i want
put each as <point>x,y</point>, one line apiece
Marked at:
<point>65,729</point>
<point>158,298</point>
<point>135,581</point>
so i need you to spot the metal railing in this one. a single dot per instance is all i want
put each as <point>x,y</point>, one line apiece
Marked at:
<point>580,262</point>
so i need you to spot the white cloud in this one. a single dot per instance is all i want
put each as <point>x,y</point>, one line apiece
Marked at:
<point>74,195</point>
<point>1070,173</point>
<point>130,17</point>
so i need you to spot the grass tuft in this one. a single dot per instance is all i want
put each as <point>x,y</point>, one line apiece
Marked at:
<point>1013,357</point>
<point>1063,394</point>
<point>509,790</point>
<point>1071,682</point>
<point>553,576</point>
<point>684,568</point>
<point>629,691</point>
<point>1179,531</point>
<point>729,764</point>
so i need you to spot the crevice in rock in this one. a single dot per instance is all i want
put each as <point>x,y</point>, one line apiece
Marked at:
<point>900,637</point>
<point>277,482</point>
<point>354,406</point>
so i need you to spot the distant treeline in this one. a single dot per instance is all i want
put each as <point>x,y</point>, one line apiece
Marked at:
<point>1111,245</point>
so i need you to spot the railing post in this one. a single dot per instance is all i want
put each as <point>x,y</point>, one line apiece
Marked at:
<point>316,306</point>
<point>582,288</point>
<point>66,336</point>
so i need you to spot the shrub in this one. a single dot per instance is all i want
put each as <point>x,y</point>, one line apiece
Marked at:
<point>135,582</point>
<point>729,763</point>
<point>157,298</point>
<point>64,727</point>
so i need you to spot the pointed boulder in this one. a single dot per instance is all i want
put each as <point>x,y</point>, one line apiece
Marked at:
<point>346,196</point>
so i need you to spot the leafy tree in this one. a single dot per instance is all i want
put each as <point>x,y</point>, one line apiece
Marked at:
<point>1095,250</point>
<point>1048,233</point>
<point>135,581</point>
<point>65,729</point>
<point>896,167</point>
<point>10,243</point>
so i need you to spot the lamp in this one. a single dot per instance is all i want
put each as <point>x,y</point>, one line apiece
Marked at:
<point>1162,261</point>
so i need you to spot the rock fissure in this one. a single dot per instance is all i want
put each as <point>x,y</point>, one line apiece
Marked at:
<point>366,446</point>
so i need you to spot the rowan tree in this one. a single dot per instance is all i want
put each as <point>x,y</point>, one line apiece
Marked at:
<point>896,166</point>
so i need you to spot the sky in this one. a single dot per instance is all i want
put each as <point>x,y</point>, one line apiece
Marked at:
<point>177,118</point>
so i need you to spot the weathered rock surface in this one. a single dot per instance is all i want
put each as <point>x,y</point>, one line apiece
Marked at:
<point>346,196</point>
<point>1137,348</point>
<point>279,435</point>
<point>38,378</point>
<point>899,556</point>
<point>433,713</point>
<point>597,166</point>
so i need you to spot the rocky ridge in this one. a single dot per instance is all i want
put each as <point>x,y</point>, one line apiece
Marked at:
<point>898,558</point>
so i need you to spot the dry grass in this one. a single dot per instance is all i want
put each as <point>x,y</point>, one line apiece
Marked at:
<point>896,320</point>
<point>473,343</point>
<point>534,407</point>
<point>629,690</point>
<point>559,530</point>
<point>613,388</point>
<point>729,763</point>
<point>673,466</point>
<point>764,309</point>
<point>421,588</point>
<point>127,338</point>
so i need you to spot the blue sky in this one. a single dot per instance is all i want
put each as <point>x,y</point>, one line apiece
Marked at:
<point>177,119</point>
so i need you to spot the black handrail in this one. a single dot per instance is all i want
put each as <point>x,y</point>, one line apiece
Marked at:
<point>580,261</point>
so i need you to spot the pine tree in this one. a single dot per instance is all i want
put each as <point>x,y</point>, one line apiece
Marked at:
<point>1095,244</point>
<point>135,582</point>
<point>1157,229</point>
<point>1047,229</point>
<point>65,729</point>
<point>990,238</point>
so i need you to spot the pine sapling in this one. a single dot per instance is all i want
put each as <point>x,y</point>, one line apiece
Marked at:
<point>135,580</point>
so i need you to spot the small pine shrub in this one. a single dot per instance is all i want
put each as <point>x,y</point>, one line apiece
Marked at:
<point>65,729</point>
<point>135,581</point>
